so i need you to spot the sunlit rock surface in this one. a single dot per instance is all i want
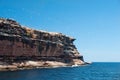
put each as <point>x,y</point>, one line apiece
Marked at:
<point>22,43</point>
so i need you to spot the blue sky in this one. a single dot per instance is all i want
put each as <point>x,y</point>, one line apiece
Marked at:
<point>94,23</point>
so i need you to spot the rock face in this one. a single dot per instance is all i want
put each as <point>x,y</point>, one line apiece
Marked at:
<point>21,43</point>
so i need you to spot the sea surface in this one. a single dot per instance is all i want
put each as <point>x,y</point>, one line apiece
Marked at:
<point>94,71</point>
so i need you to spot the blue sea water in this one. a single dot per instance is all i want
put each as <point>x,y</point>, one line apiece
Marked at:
<point>94,71</point>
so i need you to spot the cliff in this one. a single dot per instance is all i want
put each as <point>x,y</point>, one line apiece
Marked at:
<point>21,43</point>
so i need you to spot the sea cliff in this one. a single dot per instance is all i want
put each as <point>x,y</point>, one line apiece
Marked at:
<point>22,47</point>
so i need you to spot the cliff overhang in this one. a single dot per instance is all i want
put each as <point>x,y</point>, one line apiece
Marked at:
<point>20,43</point>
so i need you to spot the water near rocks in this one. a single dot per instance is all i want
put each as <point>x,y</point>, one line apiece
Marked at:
<point>94,71</point>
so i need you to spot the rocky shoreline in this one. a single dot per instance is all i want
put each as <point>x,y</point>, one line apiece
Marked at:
<point>35,64</point>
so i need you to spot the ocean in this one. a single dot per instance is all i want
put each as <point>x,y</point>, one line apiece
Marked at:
<point>94,71</point>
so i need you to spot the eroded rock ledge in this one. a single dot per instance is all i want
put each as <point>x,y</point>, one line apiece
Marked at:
<point>21,44</point>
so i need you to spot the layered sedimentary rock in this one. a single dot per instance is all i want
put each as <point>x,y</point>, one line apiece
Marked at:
<point>21,43</point>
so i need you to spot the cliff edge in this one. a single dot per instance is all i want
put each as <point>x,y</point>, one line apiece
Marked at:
<point>22,47</point>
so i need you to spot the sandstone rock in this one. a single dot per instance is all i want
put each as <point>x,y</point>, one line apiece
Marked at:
<point>21,43</point>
